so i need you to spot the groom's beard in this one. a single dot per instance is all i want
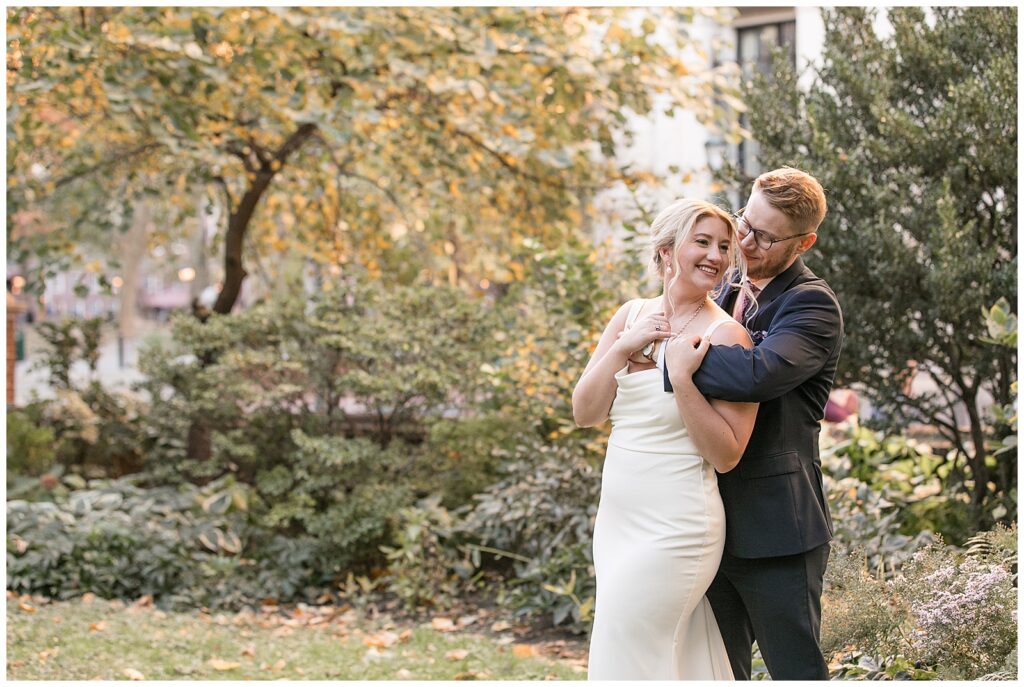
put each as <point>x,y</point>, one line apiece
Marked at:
<point>768,263</point>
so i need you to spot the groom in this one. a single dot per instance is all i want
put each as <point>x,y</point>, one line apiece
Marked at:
<point>778,527</point>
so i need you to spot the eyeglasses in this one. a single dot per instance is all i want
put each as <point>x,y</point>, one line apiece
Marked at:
<point>764,240</point>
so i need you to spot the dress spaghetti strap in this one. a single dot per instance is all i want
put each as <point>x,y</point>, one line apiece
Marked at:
<point>634,311</point>
<point>714,325</point>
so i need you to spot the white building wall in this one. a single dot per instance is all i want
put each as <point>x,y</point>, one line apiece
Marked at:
<point>661,142</point>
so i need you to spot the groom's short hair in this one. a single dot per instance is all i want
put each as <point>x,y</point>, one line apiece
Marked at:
<point>796,194</point>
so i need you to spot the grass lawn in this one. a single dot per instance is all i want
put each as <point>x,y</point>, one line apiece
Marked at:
<point>91,638</point>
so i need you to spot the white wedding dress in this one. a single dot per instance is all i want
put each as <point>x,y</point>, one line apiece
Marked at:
<point>658,540</point>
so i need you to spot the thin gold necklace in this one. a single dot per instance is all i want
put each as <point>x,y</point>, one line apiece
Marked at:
<point>648,350</point>
<point>692,318</point>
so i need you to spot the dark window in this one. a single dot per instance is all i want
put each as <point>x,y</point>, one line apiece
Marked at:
<point>754,46</point>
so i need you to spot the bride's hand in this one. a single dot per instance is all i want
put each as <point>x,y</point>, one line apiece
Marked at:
<point>653,327</point>
<point>683,356</point>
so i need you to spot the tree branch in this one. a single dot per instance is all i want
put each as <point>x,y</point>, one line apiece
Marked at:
<point>139,150</point>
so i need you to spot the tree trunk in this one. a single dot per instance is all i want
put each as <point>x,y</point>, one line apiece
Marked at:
<point>198,246</point>
<point>238,221</point>
<point>200,433</point>
<point>979,470</point>
<point>134,248</point>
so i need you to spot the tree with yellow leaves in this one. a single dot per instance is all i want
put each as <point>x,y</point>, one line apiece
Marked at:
<point>433,137</point>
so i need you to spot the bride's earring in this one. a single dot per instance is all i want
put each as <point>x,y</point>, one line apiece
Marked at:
<point>668,269</point>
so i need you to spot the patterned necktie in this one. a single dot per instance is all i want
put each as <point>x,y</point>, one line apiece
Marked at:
<point>743,303</point>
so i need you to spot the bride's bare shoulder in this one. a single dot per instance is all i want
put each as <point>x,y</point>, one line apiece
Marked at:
<point>729,333</point>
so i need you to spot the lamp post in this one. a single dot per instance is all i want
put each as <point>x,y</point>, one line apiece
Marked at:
<point>715,149</point>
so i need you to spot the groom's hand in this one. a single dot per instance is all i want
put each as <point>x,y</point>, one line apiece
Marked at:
<point>683,356</point>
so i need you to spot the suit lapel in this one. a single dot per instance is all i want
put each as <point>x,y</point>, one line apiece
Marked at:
<point>727,299</point>
<point>779,285</point>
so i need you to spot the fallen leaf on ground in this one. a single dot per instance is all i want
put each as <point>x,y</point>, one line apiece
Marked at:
<point>98,627</point>
<point>524,650</point>
<point>25,607</point>
<point>144,600</point>
<point>279,665</point>
<point>443,624</point>
<point>249,650</point>
<point>375,653</point>
<point>468,675</point>
<point>457,654</point>
<point>221,664</point>
<point>405,636</point>
<point>501,626</point>
<point>88,598</point>
<point>48,653</point>
<point>467,620</point>
<point>403,674</point>
<point>133,674</point>
<point>381,639</point>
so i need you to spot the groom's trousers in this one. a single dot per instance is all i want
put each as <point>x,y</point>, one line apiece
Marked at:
<point>776,601</point>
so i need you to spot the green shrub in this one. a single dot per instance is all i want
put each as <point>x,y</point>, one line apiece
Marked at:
<point>69,341</point>
<point>321,404</point>
<point>867,522</point>
<point>30,446</point>
<point>465,455</point>
<point>343,493</point>
<point>116,540</point>
<point>552,319</point>
<point>561,586</point>
<point>888,494</point>
<point>536,526</point>
<point>856,614</point>
<point>425,565</point>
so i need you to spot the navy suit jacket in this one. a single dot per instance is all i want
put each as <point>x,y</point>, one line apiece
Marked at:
<point>775,503</point>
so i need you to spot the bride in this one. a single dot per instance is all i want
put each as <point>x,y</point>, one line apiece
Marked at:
<point>660,527</point>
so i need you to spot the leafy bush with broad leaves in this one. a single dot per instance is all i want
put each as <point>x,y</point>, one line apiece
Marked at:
<point>536,525</point>
<point>116,539</point>
<point>188,547</point>
<point>426,565</point>
<point>945,613</point>
<point>30,444</point>
<point>342,493</point>
<point>886,495</point>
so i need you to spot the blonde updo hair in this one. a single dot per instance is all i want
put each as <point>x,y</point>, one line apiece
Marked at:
<point>673,226</point>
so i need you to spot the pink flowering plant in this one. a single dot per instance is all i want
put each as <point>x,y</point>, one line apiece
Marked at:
<point>962,610</point>
<point>947,613</point>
